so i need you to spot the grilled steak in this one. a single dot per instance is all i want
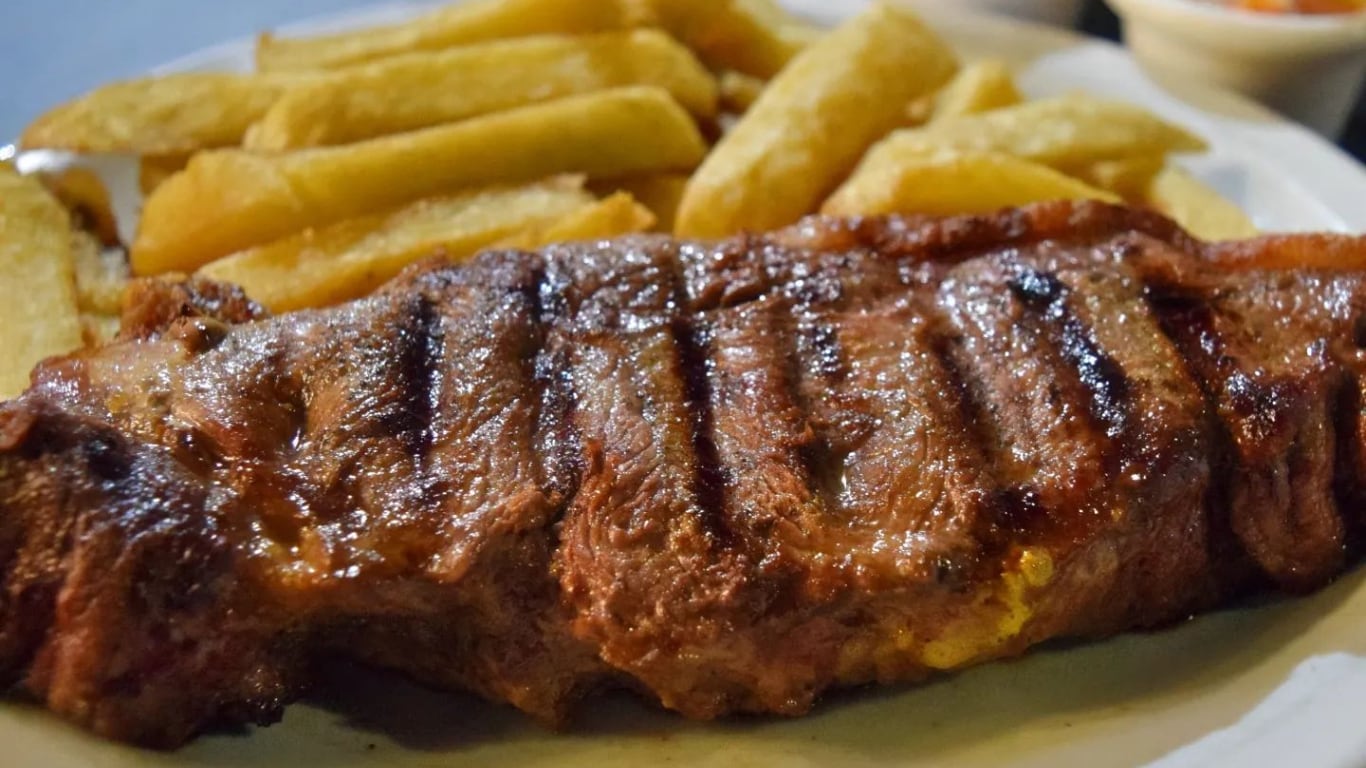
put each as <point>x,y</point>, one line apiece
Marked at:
<point>728,475</point>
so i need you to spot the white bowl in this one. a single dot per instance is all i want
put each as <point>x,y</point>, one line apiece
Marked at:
<point>1309,68</point>
<point>1060,13</point>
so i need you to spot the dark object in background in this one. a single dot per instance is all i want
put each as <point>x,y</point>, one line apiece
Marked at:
<point>1100,21</point>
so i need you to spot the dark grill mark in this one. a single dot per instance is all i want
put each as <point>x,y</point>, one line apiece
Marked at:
<point>973,413</point>
<point>817,460</point>
<point>1018,508</point>
<point>106,459</point>
<point>557,440</point>
<point>1099,373</point>
<point>693,342</point>
<point>420,342</point>
<point>1038,290</point>
<point>1349,486</point>
<point>692,339</point>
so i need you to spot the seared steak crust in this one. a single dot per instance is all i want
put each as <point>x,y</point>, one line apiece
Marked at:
<point>730,475</point>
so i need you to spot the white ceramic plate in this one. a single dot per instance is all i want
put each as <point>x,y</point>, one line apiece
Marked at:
<point>1279,683</point>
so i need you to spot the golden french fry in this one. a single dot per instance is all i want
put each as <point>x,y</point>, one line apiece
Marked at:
<point>920,110</point>
<point>953,183</point>
<point>101,274</point>
<point>229,200</point>
<point>1196,207</point>
<point>451,25</point>
<point>38,312</point>
<point>659,192</point>
<point>755,37</point>
<point>812,123</point>
<point>160,115</point>
<point>615,215</point>
<point>154,169</point>
<point>318,267</point>
<point>799,34</point>
<point>97,329</point>
<point>1066,133</point>
<point>980,87</point>
<point>85,197</point>
<point>424,89</point>
<point>1128,177</point>
<point>739,91</point>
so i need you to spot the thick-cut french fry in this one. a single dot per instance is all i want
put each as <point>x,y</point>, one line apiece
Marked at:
<point>83,194</point>
<point>229,200</point>
<point>1198,208</point>
<point>815,119</point>
<point>1129,177</point>
<point>423,89</point>
<point>154,169</point>
<point>659,192</point>
<point>160,115</point>
<point>1068,132</point>
<point>324,266</point>
<point>101,274</point>
<point>739,91</point>
<point>952,183</point>
<point>38,312</point>
<point>981,87</point>
<point>755,37</point>
<point>97,329</point>
<point>455,24</point>
<point>615,215</point>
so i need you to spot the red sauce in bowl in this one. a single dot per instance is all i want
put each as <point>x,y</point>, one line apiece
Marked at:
<point>1300,6</point>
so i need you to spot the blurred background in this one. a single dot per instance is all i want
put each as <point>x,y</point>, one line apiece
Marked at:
<point>57,49</point>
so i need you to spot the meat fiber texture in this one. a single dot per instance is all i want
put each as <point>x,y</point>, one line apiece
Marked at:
<point>727,475</point>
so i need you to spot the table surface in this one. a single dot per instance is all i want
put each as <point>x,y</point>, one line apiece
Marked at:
<point>57,49</point>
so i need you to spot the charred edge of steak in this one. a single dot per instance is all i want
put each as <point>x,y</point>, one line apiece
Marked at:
<point>152,306</point>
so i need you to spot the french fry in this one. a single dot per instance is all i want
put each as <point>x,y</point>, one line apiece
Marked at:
<point>424,89</point>
<point>38,312</point>
<point>101,276</point>
<point>659,192</point>
<point>755,37</point>
<point>812,123</point>
<point>980,87</point>
<point>85,197</point>
<point>97,329</point>
<point>953,183</point>
<point>739,91</point>
<point>167,115</point>
<point>319,267</point>
<point>615,215</point>
<point>455,24</point>
<point>1128,177</point>
<point>229,200</point>
<point>1198,208</point>
<point>100,273</point>
<point>1066,133</point>
<point>798,34</point>
<point>154,169</point>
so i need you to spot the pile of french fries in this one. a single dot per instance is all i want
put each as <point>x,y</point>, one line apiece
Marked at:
<point>517,123</point>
